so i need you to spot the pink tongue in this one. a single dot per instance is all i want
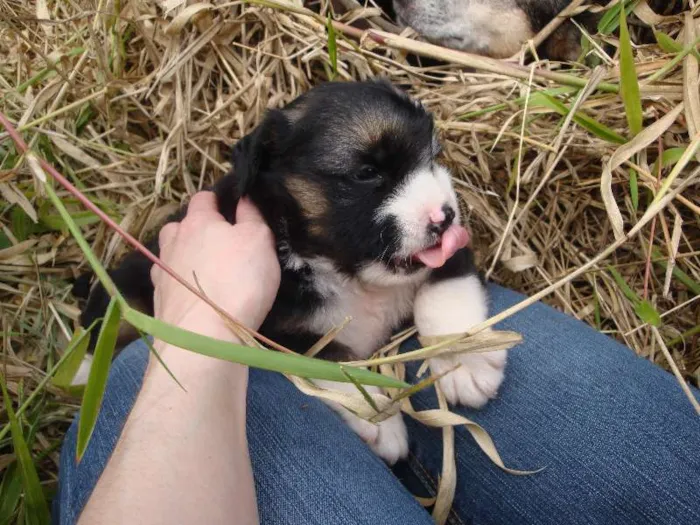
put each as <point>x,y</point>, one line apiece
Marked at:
<point>454,238</point>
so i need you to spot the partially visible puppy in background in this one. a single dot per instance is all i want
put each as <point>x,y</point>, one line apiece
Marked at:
<point>367,225</point>
<point>496,28</point>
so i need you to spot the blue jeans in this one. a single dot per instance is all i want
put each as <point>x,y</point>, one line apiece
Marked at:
<point>617,437</point>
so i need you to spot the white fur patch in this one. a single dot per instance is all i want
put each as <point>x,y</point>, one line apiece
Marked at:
<point>375,310</point>
<point>455,306</point>
<point>426,189</point>
<point>388,439</point>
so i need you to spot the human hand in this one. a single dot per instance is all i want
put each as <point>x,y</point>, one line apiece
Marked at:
<point>236,267</point>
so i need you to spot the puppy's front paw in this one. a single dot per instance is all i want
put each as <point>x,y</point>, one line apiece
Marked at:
<point>475,381</point>
<point>387,439</point>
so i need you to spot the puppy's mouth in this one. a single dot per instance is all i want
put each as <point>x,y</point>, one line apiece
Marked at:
<point>436,255</point>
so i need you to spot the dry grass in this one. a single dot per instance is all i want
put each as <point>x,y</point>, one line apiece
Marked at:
<point>137,105</point>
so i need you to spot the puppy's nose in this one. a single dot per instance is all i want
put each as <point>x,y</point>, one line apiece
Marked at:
<point>441,219</point>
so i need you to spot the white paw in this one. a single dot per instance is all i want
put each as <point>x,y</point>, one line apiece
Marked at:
<point>387,439</point>
<point>475,381</point>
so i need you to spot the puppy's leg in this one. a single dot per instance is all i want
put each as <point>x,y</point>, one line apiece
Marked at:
<point>453,301</point>
<point>388,439</point>
<point>133,280</point>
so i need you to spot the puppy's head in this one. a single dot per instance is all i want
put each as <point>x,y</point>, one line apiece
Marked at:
<point>348,173</point>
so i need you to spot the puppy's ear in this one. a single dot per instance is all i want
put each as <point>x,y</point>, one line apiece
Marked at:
<point>387,84</point>
<point>256,151</point>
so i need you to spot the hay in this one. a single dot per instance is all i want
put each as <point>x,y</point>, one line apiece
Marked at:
<point>136,102</point>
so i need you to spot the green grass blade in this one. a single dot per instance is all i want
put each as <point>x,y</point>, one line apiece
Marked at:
<point>363,391</point>
<point>147,342</point>
<point>669,45</point>
<point>679,274</point>
<point>99,270</point>
<point>687,156</point>
<point>77,348</point>
<point>37,510</point>
<point>85,116</point>
<point>48,72</point>
<point>599,130</point>
<point>671,64</point>
<point>668,158</point>
<point>4,241</point>
<point>519,101</point>
<point>610,21</point>
<point>21,224</point>
<point>634,189</point>
<point>629,293</point>
<point>10,493</point>
<point>643,308</point>
<point>332,47</point>
<point>99,371</point>
<point>293,364</point>
<point>421,385</point>
<point>56,222</point>
<point>647,313</point>
<point>49,376</point>
<point>629,85</point>
<point>685,336</point>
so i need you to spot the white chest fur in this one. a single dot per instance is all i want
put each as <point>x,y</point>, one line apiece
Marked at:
<point>375,311</point>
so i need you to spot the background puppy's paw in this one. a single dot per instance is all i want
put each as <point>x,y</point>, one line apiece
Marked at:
<point>475,381</point>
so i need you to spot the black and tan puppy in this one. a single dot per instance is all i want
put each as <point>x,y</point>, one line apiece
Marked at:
<point>496,28</point>
<point>367,225</point>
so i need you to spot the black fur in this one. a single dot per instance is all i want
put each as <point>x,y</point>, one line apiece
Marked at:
<point>461,263</point>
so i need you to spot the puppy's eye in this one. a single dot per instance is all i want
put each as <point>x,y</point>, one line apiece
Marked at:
<point>368,174</point>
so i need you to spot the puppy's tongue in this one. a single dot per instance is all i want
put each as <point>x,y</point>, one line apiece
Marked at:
<point>454,238</point>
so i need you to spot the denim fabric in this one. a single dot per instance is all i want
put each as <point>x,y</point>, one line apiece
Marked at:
<point>615,434</point>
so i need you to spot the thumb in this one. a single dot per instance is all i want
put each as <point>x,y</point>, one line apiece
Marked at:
<point>247,212</point>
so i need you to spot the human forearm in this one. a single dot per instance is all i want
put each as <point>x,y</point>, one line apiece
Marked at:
<point>183,456</point>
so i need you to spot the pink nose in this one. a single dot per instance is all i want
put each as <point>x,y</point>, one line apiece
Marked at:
<point>441,219</point>
<point>437,215</point>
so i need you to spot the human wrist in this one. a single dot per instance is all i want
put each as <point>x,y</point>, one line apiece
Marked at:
<point>199,377</point>
<point>203,321</point>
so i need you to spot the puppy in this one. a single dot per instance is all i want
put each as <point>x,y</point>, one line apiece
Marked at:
<point>496,28</point>
<point>367,225</point>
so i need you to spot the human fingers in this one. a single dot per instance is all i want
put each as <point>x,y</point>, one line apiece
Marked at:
<point>167,234</point>
<point>203,204</point>
<point>246,211</point>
